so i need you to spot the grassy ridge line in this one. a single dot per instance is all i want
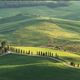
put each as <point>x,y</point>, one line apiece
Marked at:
<point>41,18</point>
<point>57,20</point>
<point>60,53</point>
<point>60,19</point>
<point>67,56</point>
<point>44,18</point>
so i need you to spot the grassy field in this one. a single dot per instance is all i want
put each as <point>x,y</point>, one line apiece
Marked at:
<point>18,67</point>
<point>38,27</point>
<point>23,27</point>
<point>67,56</point>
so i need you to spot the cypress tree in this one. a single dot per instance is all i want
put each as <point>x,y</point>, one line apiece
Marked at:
<point>41,53</point>
<point>21,51</point>
<point>29,52</point>
<point>3,44</point>
<point>50,54</point>
<point>46,53</point>
<point>56,55</point>
<point>16,50</point>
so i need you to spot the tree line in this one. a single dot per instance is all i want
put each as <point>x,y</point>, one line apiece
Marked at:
<point>29,52</point>
<point>4,48</point>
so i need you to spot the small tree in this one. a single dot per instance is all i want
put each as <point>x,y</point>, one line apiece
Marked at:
<point>21,51</point>
<point>52,55</point>
<point>16,50</point>
<point>3,48</point>
<point>29,52</point>
<point>72,64</point>
<point>56,55</point>
<point>41,53</point>
<point>46,53</point>
<point>3,44</point>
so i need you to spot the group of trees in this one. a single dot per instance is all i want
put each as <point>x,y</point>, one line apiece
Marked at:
<point>41,53</point>
<point>3,47</point>
<point>17,50</point>
<point>29,52</point>
<point>74,65</point>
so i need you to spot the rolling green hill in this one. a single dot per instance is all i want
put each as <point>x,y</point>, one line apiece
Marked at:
<point>18,67</point>
<point>42,25</point>
<point>67,56</point>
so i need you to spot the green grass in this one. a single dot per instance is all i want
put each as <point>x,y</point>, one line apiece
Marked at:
<point>23,27</point>
<point>18,67</point>
<point>39,32</point>
<point>38,26</point>
<point>22,20</point>
<point>67,56</point>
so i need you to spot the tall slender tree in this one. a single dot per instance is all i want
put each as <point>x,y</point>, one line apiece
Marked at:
<point>3,44</point>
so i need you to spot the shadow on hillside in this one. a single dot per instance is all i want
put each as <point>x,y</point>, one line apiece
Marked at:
<point>39,72</point>
<point>18,59</point>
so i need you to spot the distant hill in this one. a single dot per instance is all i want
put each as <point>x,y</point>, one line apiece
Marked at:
<point>42,26</point>
<point>17,3</point>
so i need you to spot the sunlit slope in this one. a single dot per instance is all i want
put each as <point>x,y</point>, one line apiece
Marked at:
<point>41,31</point>
<point>19,67</point>
<point>46,25</point>
<point>61,54</point>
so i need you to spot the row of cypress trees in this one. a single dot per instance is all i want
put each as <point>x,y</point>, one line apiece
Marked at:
<point>29,52</point>
<point>20,51</point>
<point>41,53</point>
